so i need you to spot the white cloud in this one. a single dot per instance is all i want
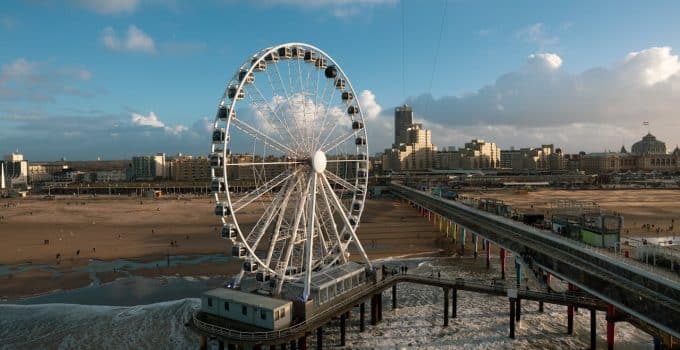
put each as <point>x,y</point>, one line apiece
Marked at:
<point>546,60</point>
<point>150,120</point>
<point>371,108</point>
<point>153,121</point>
<point>135,40</point>
<point>537,34</point>
<point>599,108</point>
<point>109,7</point>
<point>652,65</point>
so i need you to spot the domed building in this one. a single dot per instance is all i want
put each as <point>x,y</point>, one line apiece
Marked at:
<point>648,154</point>
<point>649,145</point>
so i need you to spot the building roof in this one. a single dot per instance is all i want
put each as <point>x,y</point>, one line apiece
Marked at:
<point>325,278</point>
<point>649,144</point>
<point>251,299</point>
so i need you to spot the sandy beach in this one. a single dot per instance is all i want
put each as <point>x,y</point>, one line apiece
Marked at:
<point>86,229</point>
<point>638,207</point>
<point>107,229</point>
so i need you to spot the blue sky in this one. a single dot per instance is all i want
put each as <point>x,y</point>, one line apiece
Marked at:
<point>74,74</point>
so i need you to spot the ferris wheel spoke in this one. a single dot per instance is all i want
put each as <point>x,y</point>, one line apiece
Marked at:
<point>261,109</point>
<point>344,216</point>
<point>304,130</point>
<point>320,233</point>
<point>276,115</point>
<point>287,95</point>
<point>342,182</point>
<point>264,163</point>
<point>258,231</point>
<point>279,220</point>
<point>344,160</point>
<point>252,131</point>
<point>337,141</point>
<point>290,244</point>
<point>309,239</point>
<point>266,187</point>
<point>333,225</point>
<point>328,107</point>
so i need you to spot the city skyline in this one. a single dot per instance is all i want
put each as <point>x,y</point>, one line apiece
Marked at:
<point>115,79</point>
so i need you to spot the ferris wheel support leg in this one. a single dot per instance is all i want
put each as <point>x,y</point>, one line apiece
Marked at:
<point>291,241</point>
<point>334,227</point>
<point>237,279</point>
<point>309,242</point>
<point>343,215</point>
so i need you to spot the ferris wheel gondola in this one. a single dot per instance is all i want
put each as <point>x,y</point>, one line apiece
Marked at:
<point>290,130</point>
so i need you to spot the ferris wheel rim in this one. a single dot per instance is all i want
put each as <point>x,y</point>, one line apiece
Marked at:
<point>254,61</point>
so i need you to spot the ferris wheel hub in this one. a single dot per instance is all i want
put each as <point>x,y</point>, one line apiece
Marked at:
<point>319,161</point>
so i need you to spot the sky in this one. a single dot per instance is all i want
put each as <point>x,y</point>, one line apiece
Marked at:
<point>111,79</point>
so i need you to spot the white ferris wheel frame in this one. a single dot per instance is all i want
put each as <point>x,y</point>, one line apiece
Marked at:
<point>315,179</point>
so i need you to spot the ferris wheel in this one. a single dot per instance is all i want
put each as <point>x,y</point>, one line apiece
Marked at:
<point>289,165</point>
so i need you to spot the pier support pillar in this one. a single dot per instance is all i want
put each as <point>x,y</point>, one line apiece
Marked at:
<point>380,307</point>
<point>293,345</point>
<point>593,329</point>
<point>487,247</point>
<point>502,263</point>
<point>302,342</point>
<point>203,343</point>
<point>540,306</point>
<point>518,310</point>
<point>570,320</point>
<point>319,338</point>
<point>362,311</point>
<point>462,240</point>
<point>474,241</point>
<point>394,297</point>
<point>518,271</point>
<point>610,327</point>
<point>343,320</point>
<point>570,313</point>
<point>446,307</point>
<point>512,318</point>
<point>374,309</point>
<point>454,302</point>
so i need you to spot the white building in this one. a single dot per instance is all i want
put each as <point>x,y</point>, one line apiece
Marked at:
<point>248,308</point>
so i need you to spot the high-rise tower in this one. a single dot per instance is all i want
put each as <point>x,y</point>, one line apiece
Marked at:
<point>403,119</point>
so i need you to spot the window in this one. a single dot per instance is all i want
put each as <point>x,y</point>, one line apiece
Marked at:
<point>210,302</point>
<point>283,312</point>
<point>276,315</point>
<point>244,310</point>
<point>263,315</point>
<point>226,305</point>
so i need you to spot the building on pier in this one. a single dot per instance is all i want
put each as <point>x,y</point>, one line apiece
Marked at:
<point>249,309</point>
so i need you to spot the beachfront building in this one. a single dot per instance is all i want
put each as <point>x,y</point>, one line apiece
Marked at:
<point>249,309</point>
<point>16,170</point>
<point>419,152</point>
<point>541,159</point>
<point>188,168</point>
<point>648,154</point>
<point>477,154</point>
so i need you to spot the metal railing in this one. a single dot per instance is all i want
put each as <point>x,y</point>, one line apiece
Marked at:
<point>363,292</point>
